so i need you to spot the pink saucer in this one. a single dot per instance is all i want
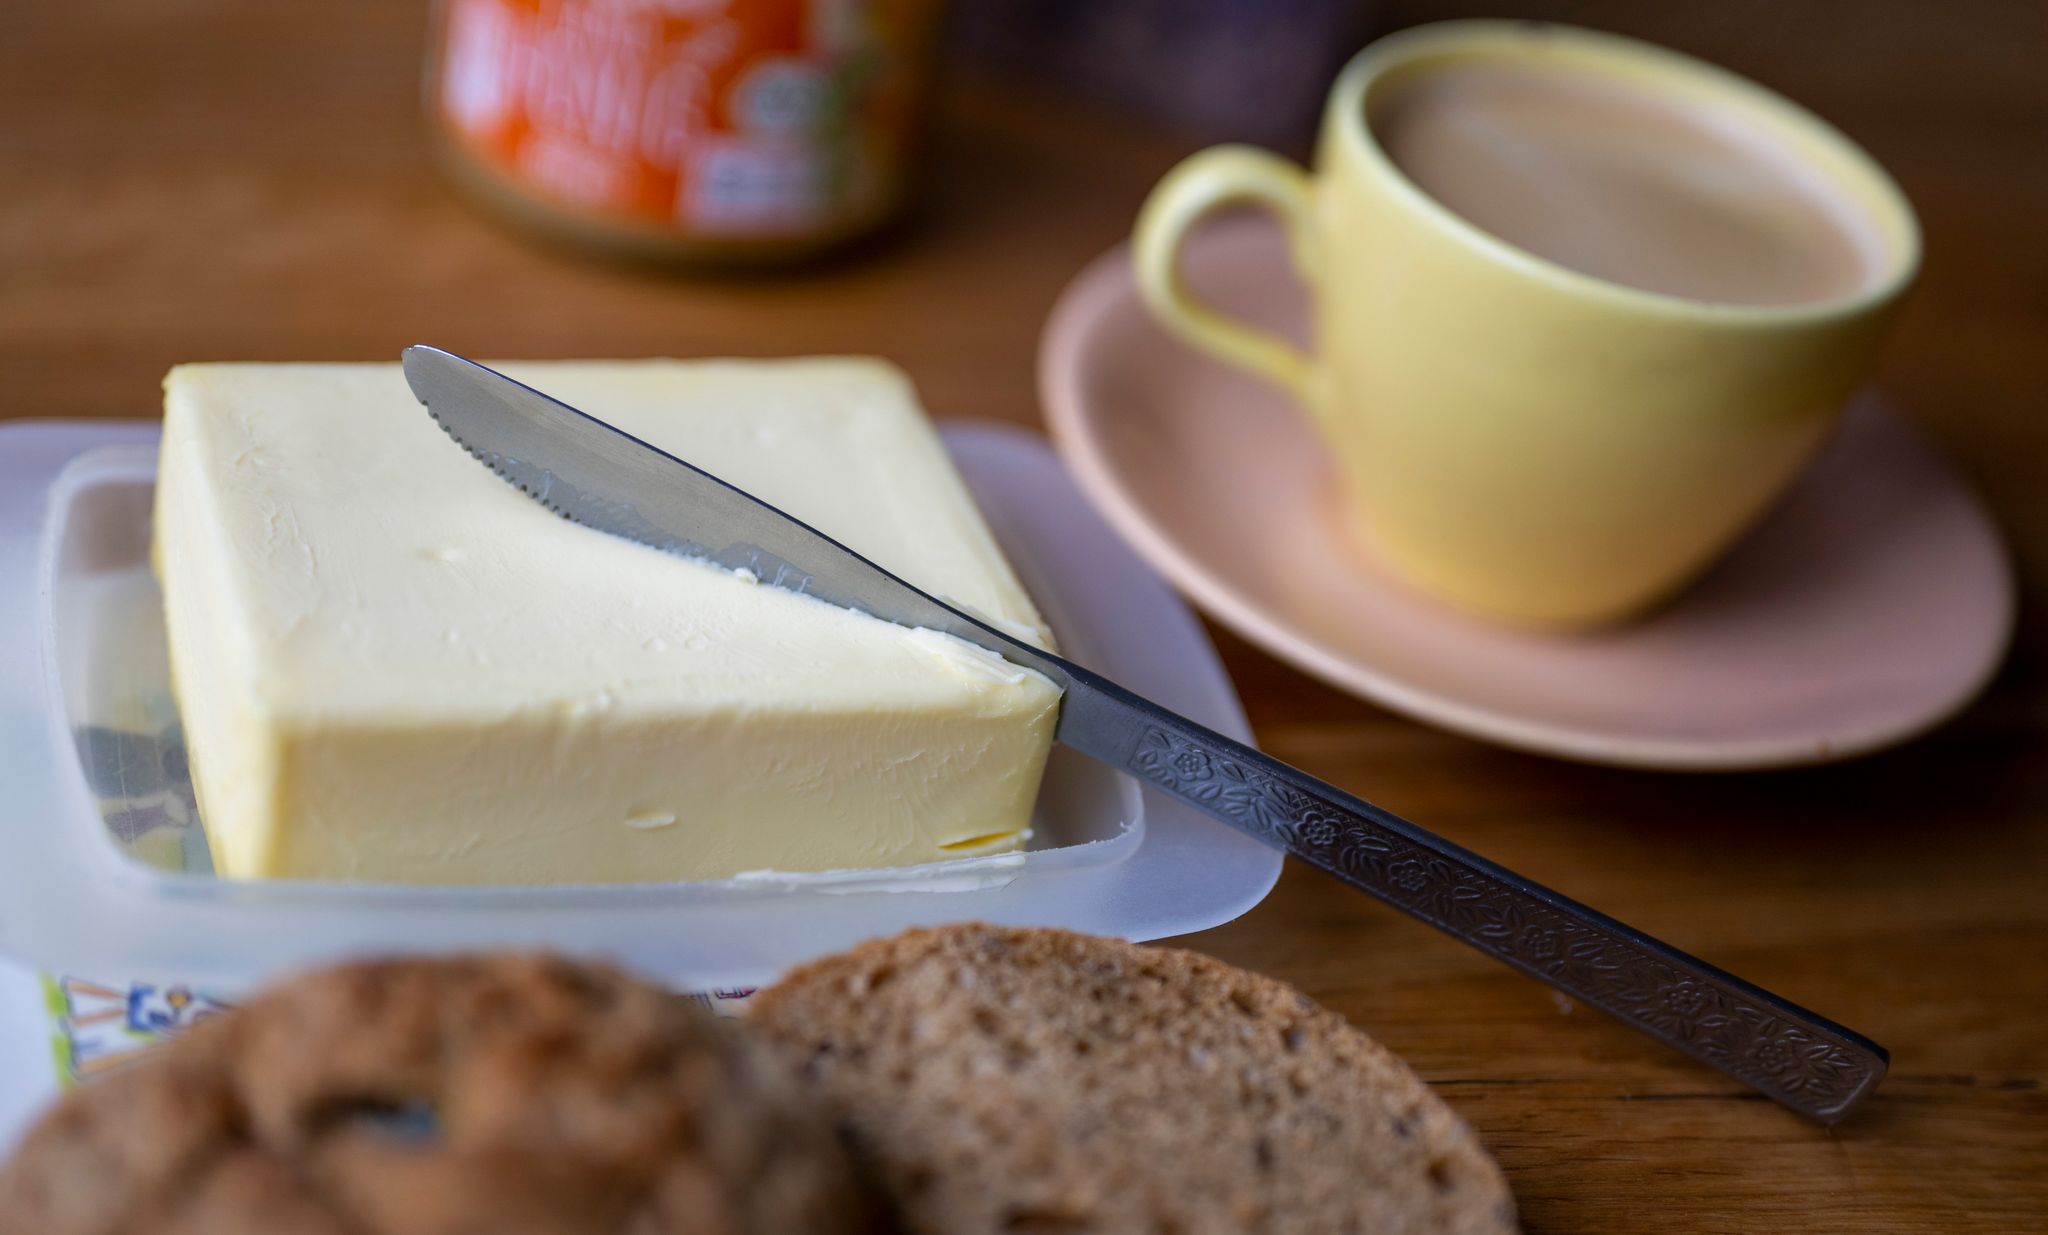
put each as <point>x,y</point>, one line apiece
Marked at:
<point>1871,605</point>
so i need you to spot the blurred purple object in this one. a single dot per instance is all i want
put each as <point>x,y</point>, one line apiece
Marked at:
<point>1251,70</point>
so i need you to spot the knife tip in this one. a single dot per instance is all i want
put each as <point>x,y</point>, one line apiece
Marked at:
<point>415,362</point>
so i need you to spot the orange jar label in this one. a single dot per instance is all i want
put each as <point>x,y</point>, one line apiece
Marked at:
<point>735,118</point>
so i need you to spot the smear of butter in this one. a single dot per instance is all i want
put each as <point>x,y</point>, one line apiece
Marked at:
<point>957,875</point>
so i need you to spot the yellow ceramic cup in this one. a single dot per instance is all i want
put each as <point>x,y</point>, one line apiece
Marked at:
<point>1517,437</point>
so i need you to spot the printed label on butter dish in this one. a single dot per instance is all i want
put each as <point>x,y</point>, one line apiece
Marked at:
<point>99,1026</point>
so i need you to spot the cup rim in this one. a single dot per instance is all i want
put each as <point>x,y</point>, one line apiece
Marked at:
<point>1348,110</point>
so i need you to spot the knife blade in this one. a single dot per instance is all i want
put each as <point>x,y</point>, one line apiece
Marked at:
<point>603,478</point>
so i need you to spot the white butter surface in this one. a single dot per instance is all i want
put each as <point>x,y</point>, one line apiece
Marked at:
<point>392,666</point>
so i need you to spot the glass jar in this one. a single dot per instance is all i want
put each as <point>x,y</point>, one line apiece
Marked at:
<point>717,131</point>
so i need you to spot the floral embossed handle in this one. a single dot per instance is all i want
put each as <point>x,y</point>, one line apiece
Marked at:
<point>1797,1057</point>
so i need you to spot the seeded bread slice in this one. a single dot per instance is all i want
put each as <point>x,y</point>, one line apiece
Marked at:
<point>1000,1081</point>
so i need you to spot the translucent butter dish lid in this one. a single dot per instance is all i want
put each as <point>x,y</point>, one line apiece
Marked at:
<point>104,869</point>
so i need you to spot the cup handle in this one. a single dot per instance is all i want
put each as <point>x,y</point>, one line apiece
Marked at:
<point>1202,182</point>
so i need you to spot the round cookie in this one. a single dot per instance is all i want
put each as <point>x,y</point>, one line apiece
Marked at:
<point>1003,1081</point>
<point>507,1094</point>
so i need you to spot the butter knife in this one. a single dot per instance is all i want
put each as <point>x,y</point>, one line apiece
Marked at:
<point>593,474</point>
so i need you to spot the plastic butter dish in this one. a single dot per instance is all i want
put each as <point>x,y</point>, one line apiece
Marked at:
<point>116,932</point>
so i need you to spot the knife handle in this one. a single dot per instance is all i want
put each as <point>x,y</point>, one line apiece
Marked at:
<point>1797,1057</point>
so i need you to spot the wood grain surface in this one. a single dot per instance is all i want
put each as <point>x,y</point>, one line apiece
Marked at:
<point>184,180</point>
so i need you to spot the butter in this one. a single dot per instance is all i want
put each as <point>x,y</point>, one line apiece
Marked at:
<point>392,666</point>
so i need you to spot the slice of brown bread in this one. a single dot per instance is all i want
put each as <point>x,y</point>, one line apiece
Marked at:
<point>1001,1081</point>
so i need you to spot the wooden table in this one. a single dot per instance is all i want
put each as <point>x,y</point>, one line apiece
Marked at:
<point>245,180</point>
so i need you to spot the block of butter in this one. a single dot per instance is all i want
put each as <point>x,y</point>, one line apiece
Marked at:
<point>392,666</point>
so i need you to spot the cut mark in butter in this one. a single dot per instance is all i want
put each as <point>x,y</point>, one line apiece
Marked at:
<point>649,820</point>
<point>1026,632</point>
<point>969,659</point>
